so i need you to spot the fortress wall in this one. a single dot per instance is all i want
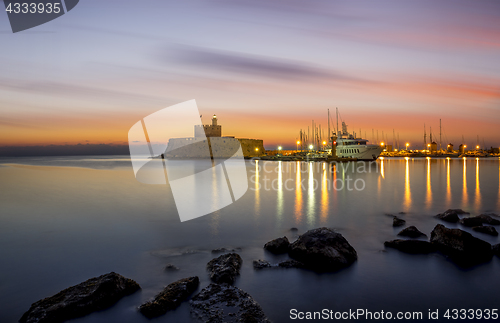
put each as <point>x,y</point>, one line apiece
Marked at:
<point>222,147</point>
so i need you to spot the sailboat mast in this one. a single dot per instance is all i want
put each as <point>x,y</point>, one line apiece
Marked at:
<point>329,133</point>
<point>439,134</point>
<point>337,119</point>
<point>425,139</point>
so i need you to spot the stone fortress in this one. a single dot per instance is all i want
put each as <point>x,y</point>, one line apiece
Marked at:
<point>209,142</point>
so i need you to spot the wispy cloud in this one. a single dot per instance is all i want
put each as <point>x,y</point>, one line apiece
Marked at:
<point>249,65</point>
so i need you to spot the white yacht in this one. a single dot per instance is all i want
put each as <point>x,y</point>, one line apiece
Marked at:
<point>348,146</point>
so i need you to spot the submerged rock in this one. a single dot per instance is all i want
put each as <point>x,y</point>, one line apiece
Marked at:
<point>488,218</point>
<point>291,264</point>
<point>260,264</point>
<point>224,250</point>
<point>277,246</point>
<point>294,229</point>
<point>323,249</point>
<point>225,268</point>
<point>226,303</point>
<point>411,232</point>
<point>487,230</point>
<point>411,246</point>
<point>170,298</point>
<point>170,267</point>
<point>450,215</point>
<point>474,221</point>
<point>463,248</point>
<point>92,295</point>
<point>397,222</point>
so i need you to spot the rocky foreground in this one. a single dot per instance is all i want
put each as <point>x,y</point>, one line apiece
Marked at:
<point>459,246</point>
<point>321,250</point>
<point>92,295</point>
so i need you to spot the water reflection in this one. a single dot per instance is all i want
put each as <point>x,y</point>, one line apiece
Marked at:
<point>298,193</point>
<point>311,205</point>
<point>324,195</point>
<point>428,198</point>
<point>214,219</point>
<point>257,190</point>
<point>465,197</point>
<point>382,167</point>
<point>407,199</point>
<point>448,184</point>
<point>279,202</point>
<point>478,191</point>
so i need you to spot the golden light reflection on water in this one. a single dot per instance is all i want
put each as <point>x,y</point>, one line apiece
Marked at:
<point>448,183</point>
<point>298,194</point>
<point>279,202</point>
<point>215,217</point>
<point>257,189</point>
<point>407,198</point>
<point>477,199</point>
<point>465,197</point>
<point>382,167</point>
<point>311,207</point>
<point>324,196</point>
<point>428,197</point>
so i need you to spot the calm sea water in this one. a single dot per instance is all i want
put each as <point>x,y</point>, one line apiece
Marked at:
<point>66,219</point>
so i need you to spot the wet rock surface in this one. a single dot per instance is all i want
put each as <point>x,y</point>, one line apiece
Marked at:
<point>474,221</point>
<point>450,215</point>
<point>490,218</point>
<point>277,246</point>
<point>411,232</point>
<point>260,264</point>
<point>170,298</point>
<point>323,249</point>
<point>291,264</point>
<point>226,303</point>
<point>486,229</point>
<point>397,222</point>
<point>95,294</point>
<point>225,268</point>
<point>463,248</point>
<point>411,246</point>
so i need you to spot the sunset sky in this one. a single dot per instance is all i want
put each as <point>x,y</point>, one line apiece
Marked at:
<point>266,68</point>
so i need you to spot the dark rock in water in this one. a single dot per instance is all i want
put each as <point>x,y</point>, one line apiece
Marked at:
<point>95,294</point>
<point>224,250</point>
<point>397,222</point>
<point>225,268</point>
<point>449,216</point>
<point>170,298</point>
<point>294,229</point>
<point>488,219</point>
<point>401,212</point>
<point>474,221</point>
<point>487,230</point>
<point>463,248</point>
<point>457,211</point>
<point>171,267</point>
<point>226,303</point>
<point>323,249</point>
<point>411,246</point>
<point>259,264</point>
<point>291,264</point>
<point>411,232</point>
<point>277,246</point>
<point>496,249</point>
